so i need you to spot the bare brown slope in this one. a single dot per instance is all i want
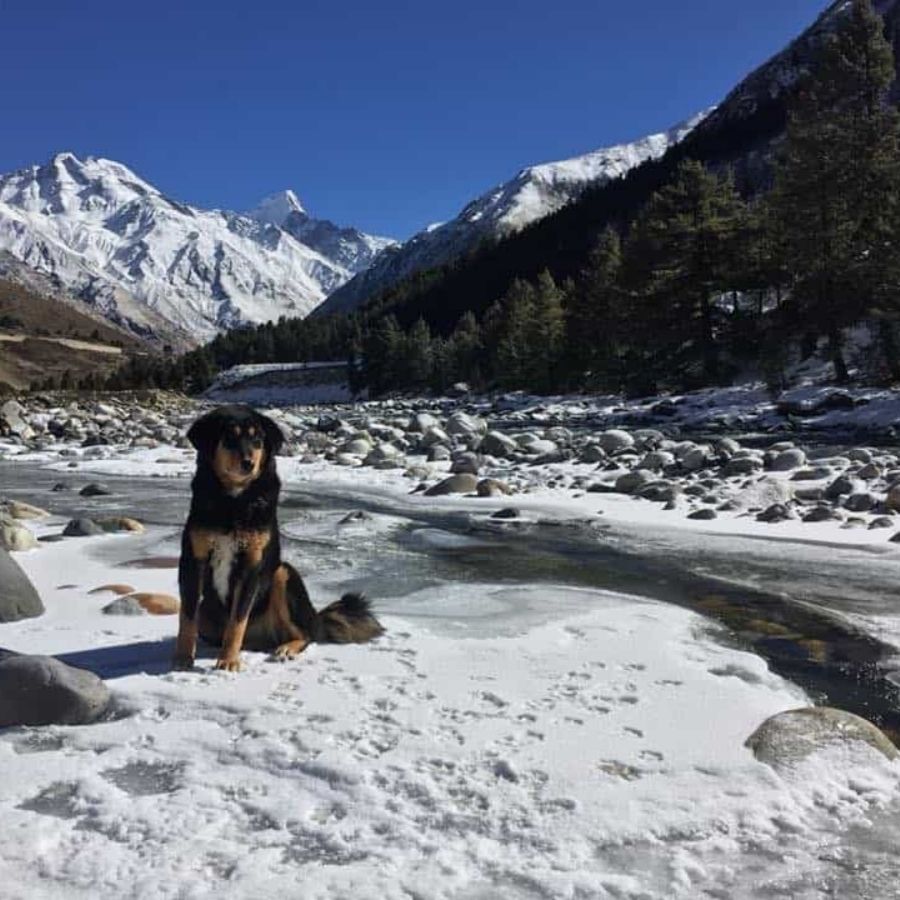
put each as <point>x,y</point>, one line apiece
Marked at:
<point>44,336</point>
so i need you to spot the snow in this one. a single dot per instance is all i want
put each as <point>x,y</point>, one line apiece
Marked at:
<point>141,257</point>
<point>498,741</point>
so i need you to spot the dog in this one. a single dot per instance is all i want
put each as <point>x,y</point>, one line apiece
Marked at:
<point>236,591</point>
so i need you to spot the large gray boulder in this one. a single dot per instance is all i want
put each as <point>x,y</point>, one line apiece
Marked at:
<point>41,690</point>
<point>462,483</point>
<point>789,737</point>
<point>18,598</point>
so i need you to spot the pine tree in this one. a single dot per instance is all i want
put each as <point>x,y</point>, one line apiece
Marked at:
<point>546,336</point>
<point>515,335</point>
<point>596,313</point>
<point>836,191</point>
<point>465,350</point>
<point>676,259</point>
<point>417,356</point>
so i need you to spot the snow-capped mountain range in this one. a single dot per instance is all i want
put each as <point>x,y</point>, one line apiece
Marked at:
<point>534,193</point>
<point>164,268</point>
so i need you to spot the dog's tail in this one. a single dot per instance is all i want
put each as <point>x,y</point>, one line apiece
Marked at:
<point>349,620</point>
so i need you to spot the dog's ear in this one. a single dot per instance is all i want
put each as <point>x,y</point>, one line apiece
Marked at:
<point>204,434</point>
<point>273,434</point>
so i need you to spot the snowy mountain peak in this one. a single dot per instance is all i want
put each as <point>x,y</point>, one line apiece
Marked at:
<point>276,209</point>
<point>163,268</point>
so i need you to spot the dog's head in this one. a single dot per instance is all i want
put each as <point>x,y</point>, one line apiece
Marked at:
<point>238,443</point>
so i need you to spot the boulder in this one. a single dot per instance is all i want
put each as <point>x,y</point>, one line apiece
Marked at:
<point>790,737</point>
<point>631,482</point>
<point>120,523</point>
<point>95,490</point>
<point>788,460</point>
<point>497,444</point>
<point>463,424</point>
<point>16,538</point>
<point>465,462</point>
<point>463,483</point>
<point>12,423</point>
<point>82,528</point>
<point>615,440</point>
<point>41,690</point>
<point>124,606</point>
<point>18,598</point>
<point>18,510</point>
<point>703,515</point>
<point>492,487</point>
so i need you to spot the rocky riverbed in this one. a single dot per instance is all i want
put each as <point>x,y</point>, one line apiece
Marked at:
<point>496,449</point>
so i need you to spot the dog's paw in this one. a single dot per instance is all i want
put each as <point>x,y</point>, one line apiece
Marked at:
<point>229,665</point>
<point>287,651</point>
<point>183,663</point>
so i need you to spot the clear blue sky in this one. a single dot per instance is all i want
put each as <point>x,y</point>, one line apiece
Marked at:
<point>387,115</point>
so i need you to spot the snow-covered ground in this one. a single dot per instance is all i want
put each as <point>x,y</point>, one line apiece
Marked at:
<point>501,740</point>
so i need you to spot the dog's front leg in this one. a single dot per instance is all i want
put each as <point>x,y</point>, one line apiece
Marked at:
<point>238,616</point>
<point>191,574</point>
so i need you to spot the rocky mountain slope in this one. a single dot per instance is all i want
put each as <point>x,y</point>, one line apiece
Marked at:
<point>153,265</point>
<point>534,193</point>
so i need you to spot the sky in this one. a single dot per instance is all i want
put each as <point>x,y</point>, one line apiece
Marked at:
<point>385,115</point>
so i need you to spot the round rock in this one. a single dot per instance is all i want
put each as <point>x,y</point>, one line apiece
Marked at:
<point>41,690</point>
<point>789,737</point>
<point>463,483</point>
<point>18,598</point>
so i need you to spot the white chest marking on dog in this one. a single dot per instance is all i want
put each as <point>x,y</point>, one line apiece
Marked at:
<point>224,551</point>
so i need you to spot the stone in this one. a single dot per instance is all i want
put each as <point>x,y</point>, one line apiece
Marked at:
<point>614,441</point>
<point>506,513</point>
<point>493,487</point>
<point>461,423</point>
<point>870,472</point>
<point>434,435</point>
<point>859,454</point>
<point>437,453</point>
<point>12,423</point>
<point>592,453</point>
<point>16,538</point>
<point>788,460</point>
<point>494,443</point>
<point>822,514</point>
<point>465,462</point>
<point>881,522</point>
<point>124,606</point>
<point>660,491</point>
<point>41,690</point>
<point>82,528</point>
<point>788,738</point>
<point>357,447</point>
<point>20,510</point>
<point>656,460</point>
<point>840,486</point>
<point>18,598</point>
<point>421,422</point>
<point>814,473</point>
<point>630,482</point>
<point>764,492</point>
<point>95,490</point>
<point>694,459</point>
<point>861,502</point>
<point>892,501</point>
<point>119,523</point>
<point>381,453</point>
<point>741,465</point>
<point>727,446</point>
<point>456,484</point>
<point>703,514</point>
<point>777,512</point>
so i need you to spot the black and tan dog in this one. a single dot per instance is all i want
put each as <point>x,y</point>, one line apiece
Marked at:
<point>236,591</point>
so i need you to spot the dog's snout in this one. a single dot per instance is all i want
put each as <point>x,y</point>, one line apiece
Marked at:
<point>247,465</point>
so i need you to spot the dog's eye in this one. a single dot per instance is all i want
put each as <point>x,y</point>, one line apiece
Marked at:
<point>256,443</point>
